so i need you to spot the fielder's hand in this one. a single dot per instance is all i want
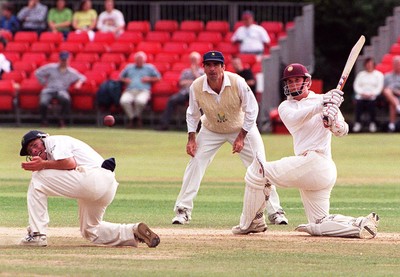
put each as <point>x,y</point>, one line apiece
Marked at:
<point>329,114</point>
<point>334,96</point>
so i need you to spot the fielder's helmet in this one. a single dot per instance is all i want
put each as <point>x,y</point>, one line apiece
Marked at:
<point>27,138</point>
<point>295,70</point>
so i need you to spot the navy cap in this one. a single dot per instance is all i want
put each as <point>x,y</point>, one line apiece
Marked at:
<point>215,56</point>
<point>27,138</point>
<point>64,55</point>
<point>247,14</point>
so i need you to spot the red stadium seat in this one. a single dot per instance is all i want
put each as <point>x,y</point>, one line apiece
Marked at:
<point>43,47</point>
<point>131,37</point>
<point>158,36</point>
<point>171,76</point>
<point>71,46</point>
<point>26,36</point>
<point>28,94</point>
<point>51,37</point>
<point>15,46</point>
<point>317,86</point>
<point>256,68</point>
<point>387,58</point>
<point>7,35</point>
<point>166,25</point>
<point>237,25</point>
<point>106,67</point>
<point>192,25</point>
<point>228,48</point>
<point>383,67</point>
<point>201,47</point>
<point>14,75</point>
<point>217,26</point>
<point>139,26</point>
<point>83,99</point>
<point>183,36</point>
<point>95,47</point>
<point>124,48</point>
<point>273,26</point>
<point>78,37</point>
<point>166,57</point>
<point>116,58</point>
<point>81,66</point>
<point>12,56</point>
<point>104,37</point>
<point>395,49</point>
<point>179,66</point>
<point>149,47</point>
<point>174,47</point>
<point>213,37</point>
<point>7,94</point>
<point>87,57</point>
<point>27,67</point>
<point>249,59</point>
<point>160,93</point>
<point>97,76</point>
<point>37,58</point>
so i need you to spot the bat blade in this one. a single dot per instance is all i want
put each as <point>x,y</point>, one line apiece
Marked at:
<point>351,60</point>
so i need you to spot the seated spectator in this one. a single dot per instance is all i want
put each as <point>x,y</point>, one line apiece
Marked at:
<point>56,79</point>
<point>367,85</point>
<point>138,78</point>
<point>8,21</point>
<point>5,65</point>
<point>111,20</point>
<point>246,73</point>
<point>33,16</point>
<point>59,18</point>
<point>85,19</point>
<point>186,79</point>
<point>251,37</point>
<point>391,91</point>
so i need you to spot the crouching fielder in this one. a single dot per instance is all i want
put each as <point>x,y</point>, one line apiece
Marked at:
<point>312,169</point>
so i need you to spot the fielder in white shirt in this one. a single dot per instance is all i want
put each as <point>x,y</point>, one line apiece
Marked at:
<point>67,167</point>
<point>229,115</point>
<point>311,119</point>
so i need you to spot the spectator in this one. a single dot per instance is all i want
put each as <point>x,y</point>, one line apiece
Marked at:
<point>251,37</point>
<point>5,65</point>
<point>59,18</point>
<point>187,77</point>
<point>391,91</point>
<point>246,73</point>
<point>57,78</point>
<point>138,78</point>
<point>85,19</point>
<point>33,16</point>
<point>111,20</point>
<point>8,21</point>
<point>368,84</point>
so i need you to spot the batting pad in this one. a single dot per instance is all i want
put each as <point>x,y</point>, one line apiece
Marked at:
<point>253,204</point>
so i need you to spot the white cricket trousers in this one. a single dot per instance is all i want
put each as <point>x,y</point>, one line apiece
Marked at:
<point>208,143</point>
<point>94,188</point>
<point>134,101</point>
<point>313,174</point>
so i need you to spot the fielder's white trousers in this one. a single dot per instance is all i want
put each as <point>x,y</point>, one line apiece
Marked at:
<point>134,101</point>
<point>313,174</point>
<point>94,189</point>
<point>208,143</point>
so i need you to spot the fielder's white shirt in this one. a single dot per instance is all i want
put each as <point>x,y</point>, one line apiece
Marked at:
<point>63,147</point>
<point>368,82</point>
<point>248,102</point>
<point>252,38</point>
<point>303,119</point>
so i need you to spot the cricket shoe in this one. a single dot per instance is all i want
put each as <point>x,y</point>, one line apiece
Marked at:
<point>278,218</point>
<point>369,226</point>
<point>34,239</point>
<point>255,227</point>
<point>182,216</point>
<point>144,234</point>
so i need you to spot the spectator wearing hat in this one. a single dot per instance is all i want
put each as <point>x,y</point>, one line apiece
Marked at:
<point>229,111</point>
<point>251,37</point>
<point>33,16</point>
<point>56,79</point>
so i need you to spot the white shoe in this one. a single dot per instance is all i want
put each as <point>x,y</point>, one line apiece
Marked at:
<point>144,234</point>
<point>302,228</point>
<point>278,218</point>
<point>372,127</point>
<point>182,216</point>
<point>255,227</point>
<point>357,127</point>
<point>391,127</point>
<point>369,226</point>
<point>34,239</point>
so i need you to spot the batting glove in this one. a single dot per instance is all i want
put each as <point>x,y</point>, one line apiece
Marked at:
<point>329,114</point>
<point>334,96</point>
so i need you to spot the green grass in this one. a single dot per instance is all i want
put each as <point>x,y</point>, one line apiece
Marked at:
<point>150,167</point>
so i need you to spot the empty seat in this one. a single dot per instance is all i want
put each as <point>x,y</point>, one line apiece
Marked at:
<point>227,48</point>
<point>116,58</point>
<point>121,47</point>
<point>162,67</point>
<point>272,26</point>
<point>27,67</point>
<point>26,36</point>
<point>192,25</point>
<point>37,58</point>
<point>87,57</point>
<point>14,75</point>
<point>201,47</point>
<point>166,57</point>
<point>71,46</point>
<point>217,26</point>
<point>95,47</point>
<point>160,93</point>
<point>237,25</point>
<point>383,67</point>
<point>387,58</point>
<point>175,47</point>
<point>83,99</point>
<point>15,46</point>
<point>395,49</point>
<point>208,36</point>
<point>183,36</point>
<point>257,68</point>
<point>140,26</point>
<point>158,36</point>
<point>43,47</point>
<point>104,37</point>
<point>149,47</point>
<point>81,66</point>
<point>51,37</point>
<point>171,76</point>
<point>131,36</point>
<point>179,66</point>
<point>6,34</point>
<point>28,94</point>
<point>78,37</point>
<point>12,56</point>
<point>166,25</point>
<point>249,59</point>
<point>106,67</point>
<point>95,75</point>
<point>7,94</point>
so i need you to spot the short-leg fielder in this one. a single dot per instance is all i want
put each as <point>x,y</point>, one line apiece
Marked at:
<point>312,169</point>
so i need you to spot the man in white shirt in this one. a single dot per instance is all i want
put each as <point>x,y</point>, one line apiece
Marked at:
<point>111,20</point>
<point>67,167</point>
<point>252,37</point>
<point>230,111</point>
<point>311,120</point>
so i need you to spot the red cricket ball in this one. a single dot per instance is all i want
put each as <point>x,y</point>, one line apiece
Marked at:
<point>109,120</point>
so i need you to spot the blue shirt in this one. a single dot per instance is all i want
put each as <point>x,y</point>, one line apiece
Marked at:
<point>135,74</point>
<point>11,24</point>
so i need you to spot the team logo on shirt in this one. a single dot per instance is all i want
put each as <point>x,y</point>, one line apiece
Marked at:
<point>221,118</point>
